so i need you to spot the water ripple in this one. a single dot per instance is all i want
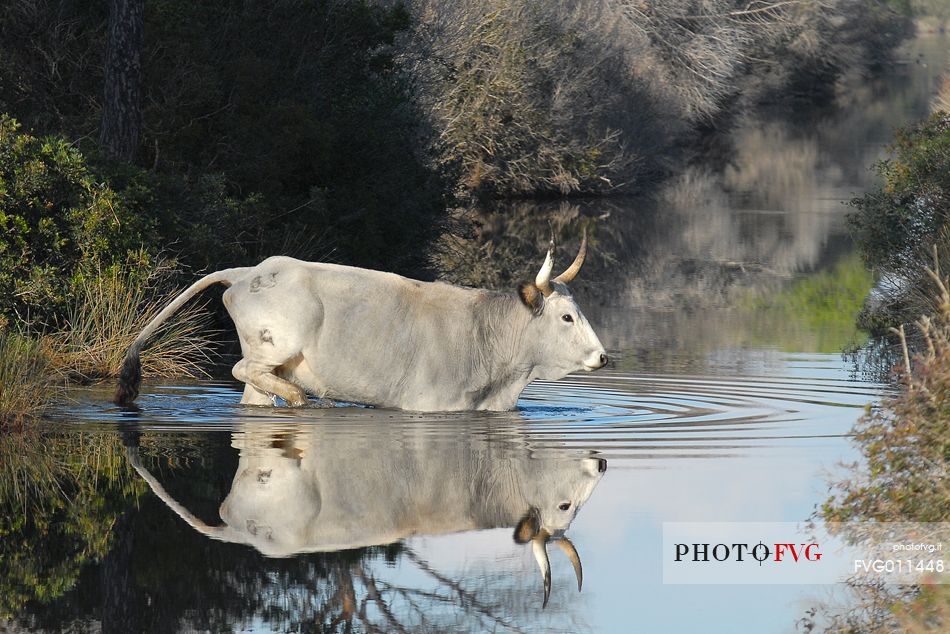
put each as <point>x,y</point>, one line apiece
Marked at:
<point>621,415</point>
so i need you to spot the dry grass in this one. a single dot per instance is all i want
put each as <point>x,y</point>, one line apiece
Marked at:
<point>906,450</point>
<point>941,100</point>
<point>104,316</point>
<point>107,313</point>
<point>25,384</point>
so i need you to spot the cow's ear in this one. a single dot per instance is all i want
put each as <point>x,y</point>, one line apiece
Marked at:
<point>527,528</point>
<point>531,297</point>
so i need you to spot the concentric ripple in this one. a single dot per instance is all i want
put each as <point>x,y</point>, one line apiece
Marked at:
<point>806,400</point>
<point>698,414</point>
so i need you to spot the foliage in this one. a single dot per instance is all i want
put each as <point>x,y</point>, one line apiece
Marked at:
<point>300,108</point>
<point>523,96</point>
<point>898,224</point>
<point>56,221</point>
<point>816,312</point>
<point>282,127</point>
<point>894,222</point>
<point>554,98</point>
<point>502,249</point>
<point>74,275</point>
<point>905,445</point>
<point>25,385</point>
<point>60,496</point>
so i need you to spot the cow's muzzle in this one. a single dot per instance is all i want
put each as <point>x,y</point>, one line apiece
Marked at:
<point>596,361</point>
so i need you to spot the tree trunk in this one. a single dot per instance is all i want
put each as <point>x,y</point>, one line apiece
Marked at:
<point>122,94</point>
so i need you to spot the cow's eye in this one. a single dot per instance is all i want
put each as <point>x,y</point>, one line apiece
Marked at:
<point>564,506</point>
<point>568,319</point>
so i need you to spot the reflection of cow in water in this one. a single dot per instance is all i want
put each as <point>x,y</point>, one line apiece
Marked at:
<point>314,491</point>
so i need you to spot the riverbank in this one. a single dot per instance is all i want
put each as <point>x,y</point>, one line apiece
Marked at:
<point>195,193</point>
<point>903,474</point>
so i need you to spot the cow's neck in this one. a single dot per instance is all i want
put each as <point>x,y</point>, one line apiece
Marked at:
<point>503,359</point>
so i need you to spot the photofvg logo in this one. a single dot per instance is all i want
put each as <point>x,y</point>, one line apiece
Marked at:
<point>759,552</point>
<point>791,553</point>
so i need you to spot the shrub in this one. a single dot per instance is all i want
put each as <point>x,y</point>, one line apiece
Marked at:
<point>906,443</point>
<point>898,224</point>
<point>56,221</point>
<point>905,448</point>
<point>555,98</point>
<point>531,98</point>
<point>277,128</point>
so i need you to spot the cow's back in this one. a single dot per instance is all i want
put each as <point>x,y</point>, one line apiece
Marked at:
<point>355,334</point>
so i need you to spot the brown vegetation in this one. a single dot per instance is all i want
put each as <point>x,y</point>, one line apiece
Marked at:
<point>536,98</point>
<point>906,450</point>
<point>108,312</point>
<point>26,386</point>
<point>102,318</point>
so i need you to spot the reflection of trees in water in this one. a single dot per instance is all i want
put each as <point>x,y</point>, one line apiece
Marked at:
<point>764,216</point>
<point>499,247</point>
<point>768,211</point>
<point>768,207</point>
<point>463,601</point>
<point>61,497</point>
<point>155,573</point>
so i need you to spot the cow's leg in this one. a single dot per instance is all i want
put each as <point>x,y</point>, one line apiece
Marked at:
<point>254,396</point>
<point>262,377</point>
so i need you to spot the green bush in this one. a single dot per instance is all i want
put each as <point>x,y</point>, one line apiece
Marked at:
<point>57,223</point>
<point>896,223</point>
<point>899,224</point>
<point>267,128</point>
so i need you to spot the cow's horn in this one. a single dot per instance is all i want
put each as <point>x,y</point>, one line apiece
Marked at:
<point>179,510</point>
<point>539,545</point>
<point>571,272</point>
<point>575,559</point>
<point>543,279</point>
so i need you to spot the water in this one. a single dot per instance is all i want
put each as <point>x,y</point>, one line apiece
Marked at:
<point>723,404</point>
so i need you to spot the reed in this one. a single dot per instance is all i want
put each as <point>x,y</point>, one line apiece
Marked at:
<point>106,314</point>
<point>941,100</point>
<point>26,387</point>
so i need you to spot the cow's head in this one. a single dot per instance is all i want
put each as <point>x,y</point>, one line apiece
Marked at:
<point>567,343</point>
<point>558,495</point>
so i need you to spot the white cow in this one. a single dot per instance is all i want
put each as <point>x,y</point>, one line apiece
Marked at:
<point>312,489</point>
<point>380,339</point>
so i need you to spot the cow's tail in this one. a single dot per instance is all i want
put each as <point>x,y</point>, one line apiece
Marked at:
<point>130,376</point>
<point>196,523</point>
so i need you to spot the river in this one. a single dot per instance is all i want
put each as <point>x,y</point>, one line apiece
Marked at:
<point>725,302</point>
